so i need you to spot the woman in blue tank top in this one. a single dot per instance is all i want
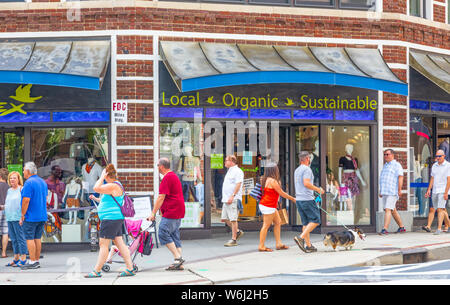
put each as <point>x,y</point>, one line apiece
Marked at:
<point>111,221</point>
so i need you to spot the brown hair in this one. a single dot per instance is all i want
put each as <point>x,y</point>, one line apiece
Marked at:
<point>111,171</point>
<point>270,172</point>
<point>4,174</point>
<point>18,176</point>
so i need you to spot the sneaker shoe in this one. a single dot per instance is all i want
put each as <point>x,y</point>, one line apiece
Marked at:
<point>239,234</point>
<point>311,249</point>
<point>401,230</point>
<point>300,243</point>
<point>231,243</point>
<point>27,266</point>
<point>384,232</point>
<point>438,232</point>
<point>425,228</point>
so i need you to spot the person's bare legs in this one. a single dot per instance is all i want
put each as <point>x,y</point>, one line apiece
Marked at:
<point>440,218</point>
<point>277,229</point>
<point>31,249</point>
<point>234,228</point>
<point>397,218</point>
<point>5,239</point>
<point>102,254</point>
<point>387,218</point>
<point>124,252</point>
<point>268,219</point>
<point>176,252</point>
<point>305,235</point>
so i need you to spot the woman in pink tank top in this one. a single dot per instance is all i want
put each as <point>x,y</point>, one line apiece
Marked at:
<point>268,207</point>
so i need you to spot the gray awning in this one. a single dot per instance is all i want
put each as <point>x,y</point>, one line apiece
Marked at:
<point>433,66</point>
<point>81,64</point>
<point>195,66</point>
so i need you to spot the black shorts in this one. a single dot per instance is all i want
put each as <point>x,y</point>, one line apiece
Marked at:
<point>110,229</point>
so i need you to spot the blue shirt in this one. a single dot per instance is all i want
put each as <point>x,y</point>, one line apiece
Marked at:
<point>36,189</point>
<point>302,193</point>
<point>13,205</point>
<point>108,208</point>
<point>389,178</point>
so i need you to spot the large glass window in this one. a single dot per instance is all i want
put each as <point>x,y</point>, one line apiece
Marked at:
<point>421,146</point>
<point>182,144</point>
<point>70,160</point>
<point>348,175</point>
<point>357,3</point>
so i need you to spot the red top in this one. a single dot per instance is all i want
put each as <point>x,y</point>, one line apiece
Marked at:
<point>270,198</point>
<point>173,205</point>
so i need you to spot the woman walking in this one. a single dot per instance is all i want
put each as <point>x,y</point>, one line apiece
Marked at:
<point>111,221</point>
<point>13,213</point>
<point>268,207</point>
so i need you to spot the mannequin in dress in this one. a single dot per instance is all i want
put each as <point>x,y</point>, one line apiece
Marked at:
<point>72,198</point>
<point>188,166</point>
<point>350,176</point>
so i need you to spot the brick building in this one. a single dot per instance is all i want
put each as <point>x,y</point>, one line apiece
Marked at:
<point>406,42</point>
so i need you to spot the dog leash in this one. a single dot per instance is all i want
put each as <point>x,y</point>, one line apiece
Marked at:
<point>318,201</point>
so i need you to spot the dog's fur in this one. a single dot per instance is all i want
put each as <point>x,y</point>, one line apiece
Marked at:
<point>344,239</point>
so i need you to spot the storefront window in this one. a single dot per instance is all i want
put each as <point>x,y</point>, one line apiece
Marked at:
<point>182,144</point>
<point>443,131</point>
<point>70,160</point>
<point>348,175</point>
<point>421,141</point>
<point>307,139</point>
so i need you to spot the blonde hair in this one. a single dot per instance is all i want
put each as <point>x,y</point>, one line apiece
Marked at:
<point>20,178</point>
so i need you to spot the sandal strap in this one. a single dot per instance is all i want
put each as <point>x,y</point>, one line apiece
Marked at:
<point>127,273</point>
<point>94,274</point>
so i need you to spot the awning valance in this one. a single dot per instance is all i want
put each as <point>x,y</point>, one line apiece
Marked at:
<point>434,67</point>
<point>79,64</point>
<point>196,66</point>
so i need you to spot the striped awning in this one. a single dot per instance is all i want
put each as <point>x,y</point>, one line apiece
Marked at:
<point>434,67</point>
<point>196,66</point>
<point>79,64</point>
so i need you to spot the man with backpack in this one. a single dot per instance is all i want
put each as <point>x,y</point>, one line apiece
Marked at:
<point>170,202</point>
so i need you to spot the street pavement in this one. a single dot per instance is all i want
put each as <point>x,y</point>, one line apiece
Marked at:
<point>209,262</point>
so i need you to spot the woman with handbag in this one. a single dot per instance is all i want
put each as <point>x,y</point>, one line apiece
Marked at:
<point>111,221</point>
<point>268,206</point>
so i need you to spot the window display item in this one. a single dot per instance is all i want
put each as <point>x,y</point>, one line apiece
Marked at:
<point>72,198</point>
<point>91,172</point>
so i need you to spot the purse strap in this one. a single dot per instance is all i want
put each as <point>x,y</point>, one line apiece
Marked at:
<point>123,190</point>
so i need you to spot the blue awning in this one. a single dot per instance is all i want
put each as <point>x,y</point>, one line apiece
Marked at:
<point>196,66</point>
<point>78,64</point>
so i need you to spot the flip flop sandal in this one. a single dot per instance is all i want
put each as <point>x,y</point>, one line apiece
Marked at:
<point>282,247</point>
<point>425,228</point>
<point>127,273</point>
<point>93,274</point>
<point>265,250</point>
<point>13,263</point>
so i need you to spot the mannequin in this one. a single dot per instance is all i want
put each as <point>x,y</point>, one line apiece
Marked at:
<point>72,198</point>
<point>315,163</point>
<point>52,204</point>
<point>188,166</point>
<point>349,175</point>
<point>418,167</point>
<point>445,146</point>
<point>54,183</point>
<point>91,172</point>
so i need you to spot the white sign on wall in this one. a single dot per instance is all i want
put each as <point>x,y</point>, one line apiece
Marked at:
<point>119,112</point>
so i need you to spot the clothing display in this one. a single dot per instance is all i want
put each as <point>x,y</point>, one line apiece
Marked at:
<point>91,172</point>
<point>346,163</point>
<point>351,180</point>
<point>445,146</point>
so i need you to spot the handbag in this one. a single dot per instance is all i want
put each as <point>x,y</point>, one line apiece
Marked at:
<point>256,192</point>
<point>283,216</point>
<point>127,208</point>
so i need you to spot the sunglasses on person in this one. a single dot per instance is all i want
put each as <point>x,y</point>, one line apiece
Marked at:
<point>387,154</point>
<point>438,156</point>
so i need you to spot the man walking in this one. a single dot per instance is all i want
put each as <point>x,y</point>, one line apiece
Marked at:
<point>171,203</point>
<point>231,195</point>
<point>440,183</point>
<point>391,182</point>
<point>34,213</point>
<point>306,205</point>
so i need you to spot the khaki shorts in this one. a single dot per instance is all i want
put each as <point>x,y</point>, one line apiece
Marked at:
<point>230,211</point>
<point>389,201</point>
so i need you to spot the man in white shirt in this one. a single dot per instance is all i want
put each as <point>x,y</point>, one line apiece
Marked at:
<point>231,193</point>
<point>440,183</point>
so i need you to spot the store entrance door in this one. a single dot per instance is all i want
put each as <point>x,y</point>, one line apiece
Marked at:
<point>12,148</point>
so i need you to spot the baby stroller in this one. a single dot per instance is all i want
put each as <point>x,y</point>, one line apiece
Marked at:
<point>141,242</point>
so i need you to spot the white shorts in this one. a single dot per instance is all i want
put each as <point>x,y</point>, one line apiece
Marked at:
<point>389,201</point>
<point>265,210</point>
<point>230,211</point>
<point>438,201</point>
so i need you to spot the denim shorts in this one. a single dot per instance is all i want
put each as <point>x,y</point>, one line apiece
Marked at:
<point>309,212</point>
<point>33,230</point>
<point>169,231</point>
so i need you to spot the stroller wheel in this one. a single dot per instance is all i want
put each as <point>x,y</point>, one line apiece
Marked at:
<point>135,268</point>
<point>106,268</point>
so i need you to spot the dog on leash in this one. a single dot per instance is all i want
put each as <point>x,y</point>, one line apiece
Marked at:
<point>345,239</point>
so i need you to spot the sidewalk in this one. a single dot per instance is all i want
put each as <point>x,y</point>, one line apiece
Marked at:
<point>209,262</point>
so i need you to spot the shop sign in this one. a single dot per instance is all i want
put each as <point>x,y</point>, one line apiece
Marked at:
<point>247,157</point>
<point>15,168</point>
<point>216,161</point>
<point>21,98</point>
<point>119,112</point>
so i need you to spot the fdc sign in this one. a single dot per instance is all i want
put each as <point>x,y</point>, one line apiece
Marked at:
<point>119,112</point>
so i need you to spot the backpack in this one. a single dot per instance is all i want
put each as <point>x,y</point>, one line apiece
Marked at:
<point>147,244</point>
<point>127,208</point>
